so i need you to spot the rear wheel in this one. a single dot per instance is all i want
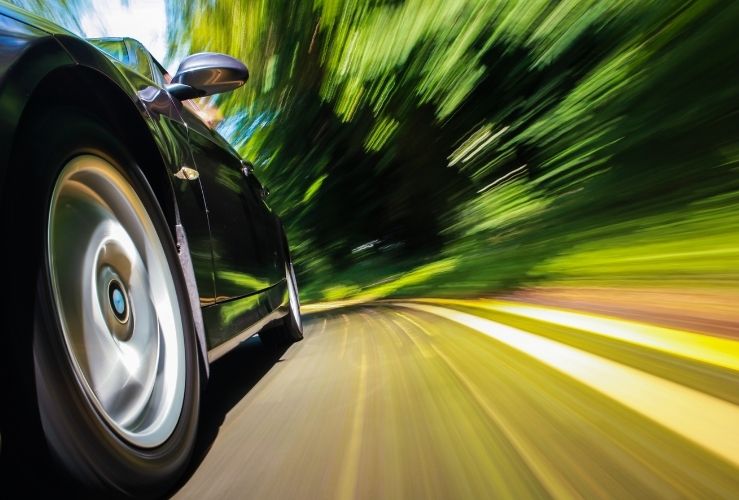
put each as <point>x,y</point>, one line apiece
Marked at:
<point>290,328</point>
<point>114,350</point>
<point>293,322</point>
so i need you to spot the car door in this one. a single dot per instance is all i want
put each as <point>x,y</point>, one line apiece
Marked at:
<point>243,230</point>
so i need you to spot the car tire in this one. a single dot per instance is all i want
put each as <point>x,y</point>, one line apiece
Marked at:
<point>114,349</point>
<point>290,328</point>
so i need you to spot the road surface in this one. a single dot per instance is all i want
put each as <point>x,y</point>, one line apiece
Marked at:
<point>472,399</point>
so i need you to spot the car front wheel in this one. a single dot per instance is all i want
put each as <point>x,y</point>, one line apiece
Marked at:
<point>115,355</point>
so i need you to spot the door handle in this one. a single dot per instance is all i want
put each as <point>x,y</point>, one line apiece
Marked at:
<point>187,174</point>
<point>247,168</point>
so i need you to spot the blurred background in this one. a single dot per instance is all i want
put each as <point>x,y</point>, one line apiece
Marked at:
<point>555,183</point>
<point>467,148</point>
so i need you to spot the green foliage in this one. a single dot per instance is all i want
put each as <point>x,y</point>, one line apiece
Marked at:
<point>66,13</point>
<point>526,140</point>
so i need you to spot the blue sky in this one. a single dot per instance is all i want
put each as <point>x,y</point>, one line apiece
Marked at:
<point>144,20</point>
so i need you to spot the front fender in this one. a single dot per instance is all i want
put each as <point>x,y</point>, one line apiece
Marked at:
<point>27,55</point>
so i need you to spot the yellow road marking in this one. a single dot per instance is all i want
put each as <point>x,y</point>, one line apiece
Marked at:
<point>707,421</point>
<point>708,349</point>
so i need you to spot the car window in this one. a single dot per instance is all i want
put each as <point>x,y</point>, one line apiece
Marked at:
<point>132,54</point>
<point>140,60</point>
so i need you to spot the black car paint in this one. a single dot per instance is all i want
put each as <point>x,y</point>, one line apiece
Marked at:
<point>232,236</point>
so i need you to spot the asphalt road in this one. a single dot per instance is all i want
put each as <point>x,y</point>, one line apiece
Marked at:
<point>474,399</point>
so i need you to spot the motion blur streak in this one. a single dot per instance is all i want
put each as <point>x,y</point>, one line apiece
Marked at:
<point>563,154</point>
<point>706,420</point>
<point>409,400</point>
<point>458,148</point>
<point>718,351</point>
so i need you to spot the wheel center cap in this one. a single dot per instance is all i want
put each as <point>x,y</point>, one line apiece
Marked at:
<point>118,301</point>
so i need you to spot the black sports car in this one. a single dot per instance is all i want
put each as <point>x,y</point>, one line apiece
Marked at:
<point>138,248</point>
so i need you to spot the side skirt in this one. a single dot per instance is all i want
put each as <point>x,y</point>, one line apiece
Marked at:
<point>229,323</point>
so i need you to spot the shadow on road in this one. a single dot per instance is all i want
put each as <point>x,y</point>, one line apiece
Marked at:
<point>231,379</point>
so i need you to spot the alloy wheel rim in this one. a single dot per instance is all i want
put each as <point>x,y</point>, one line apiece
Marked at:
<point>116,301</point>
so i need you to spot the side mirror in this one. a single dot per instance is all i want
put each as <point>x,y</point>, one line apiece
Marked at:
<point>207,73</point>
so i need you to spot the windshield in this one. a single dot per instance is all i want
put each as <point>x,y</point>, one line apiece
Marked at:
<point>131,53</point>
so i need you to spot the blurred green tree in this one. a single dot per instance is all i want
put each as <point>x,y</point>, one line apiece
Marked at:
<point>516,139</point>
<point>476,125</point>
